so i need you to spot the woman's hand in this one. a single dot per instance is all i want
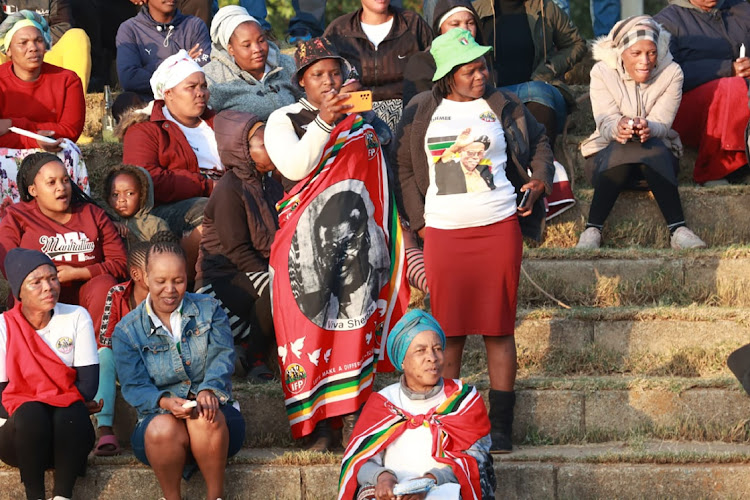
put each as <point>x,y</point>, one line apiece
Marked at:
<point>5,126</point>
<point>50,147</point>
<point>641,128</point>
<point>94,407</point>
<point>195,52</point>
<point>384,487</point>
<point>741,67</point>
<point>174,406</point>
<point>537,188</point>
<point>208,404</point>
<point>624,130</point>
<point>330,109</point>
<point>66,274</point>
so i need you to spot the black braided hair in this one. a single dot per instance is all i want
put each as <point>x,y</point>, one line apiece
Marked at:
<point>137,255</point>
<point>163,247</point>
<point>165,237</point>
<point>31,165</point>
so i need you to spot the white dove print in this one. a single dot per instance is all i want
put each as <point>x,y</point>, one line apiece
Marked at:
<point>297,346</point>
<point>282,353</point>
<point>314,356</point>
<point>368,337</point>
<point>327,355</point>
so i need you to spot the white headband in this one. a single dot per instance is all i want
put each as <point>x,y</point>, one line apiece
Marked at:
<point>173,70</point>
<point>454,10</point>
<point>226,21</point>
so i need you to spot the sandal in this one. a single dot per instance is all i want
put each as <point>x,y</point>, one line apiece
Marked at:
<point>102,449</point>
<point>260,373</point>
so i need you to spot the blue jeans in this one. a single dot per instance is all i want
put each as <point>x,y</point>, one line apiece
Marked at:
<point>542,93</point>
<point>604,14</point>
<point>310,15</point>
<point>256,8</point>
<point>107,390</point>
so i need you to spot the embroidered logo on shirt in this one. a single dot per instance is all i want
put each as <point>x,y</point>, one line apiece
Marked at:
<point>372,144</point>
<point>64,345</point>
<point>488,116</point>
<point>63,247</point>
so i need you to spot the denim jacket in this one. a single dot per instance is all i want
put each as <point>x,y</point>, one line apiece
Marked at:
<point>149,366</point>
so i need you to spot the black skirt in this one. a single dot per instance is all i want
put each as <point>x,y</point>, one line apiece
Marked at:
<point>652,153</point>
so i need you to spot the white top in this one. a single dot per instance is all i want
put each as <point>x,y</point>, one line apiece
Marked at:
<point>203,141</point>
<point>376,33</point>
<point>468,186</point>
<point>295,158</point>
<point>70,334</point>
<point>410,454</point>
<point>175,320</point>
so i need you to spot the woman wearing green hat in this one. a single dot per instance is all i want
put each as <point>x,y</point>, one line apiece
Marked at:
<point>471,166</point>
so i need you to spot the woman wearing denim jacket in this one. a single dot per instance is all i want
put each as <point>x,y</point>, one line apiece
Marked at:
<point>174,357</point>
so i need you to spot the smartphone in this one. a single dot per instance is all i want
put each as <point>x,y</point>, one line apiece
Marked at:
<point>524,199</point>
<point>361,100</point>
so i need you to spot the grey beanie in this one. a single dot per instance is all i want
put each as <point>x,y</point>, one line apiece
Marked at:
<point>19,263</point>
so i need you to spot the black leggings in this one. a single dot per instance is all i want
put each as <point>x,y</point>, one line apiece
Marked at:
<point>612,181</point>
<point>39,436</point>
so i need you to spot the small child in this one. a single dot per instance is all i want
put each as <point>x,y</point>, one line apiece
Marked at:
<point>121,299</point>
<point>130,193</point>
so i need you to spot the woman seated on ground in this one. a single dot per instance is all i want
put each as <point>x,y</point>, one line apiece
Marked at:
<point>37,97</point>
<point>635,91</point>
<point>378,40</point>
<point>471,166</point>
<point>437,428</point>
<point>55,217</point>
<point>707,36</point>
<point>247,72</point>
<point>45,423</point>
<point>535,44</point>
<point>238,230</point>
<point>173,139</point>
<point>174,359</point>
<point>71,47</point>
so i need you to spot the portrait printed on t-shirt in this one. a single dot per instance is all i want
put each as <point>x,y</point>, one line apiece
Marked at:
<point>460,163</point>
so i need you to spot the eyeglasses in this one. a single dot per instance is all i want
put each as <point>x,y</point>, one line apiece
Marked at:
<point>474,154</point>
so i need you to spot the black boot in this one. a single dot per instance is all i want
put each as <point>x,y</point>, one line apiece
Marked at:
<point>501,420</point>
<point>321,439</point>
<point>348,427</point>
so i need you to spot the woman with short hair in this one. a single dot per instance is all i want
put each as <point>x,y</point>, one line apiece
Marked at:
<point>49,373</point>
<point>461,161</point>
<point>174,358</point>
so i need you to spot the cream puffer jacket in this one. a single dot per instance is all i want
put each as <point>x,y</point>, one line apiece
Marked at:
<point>614,94</point>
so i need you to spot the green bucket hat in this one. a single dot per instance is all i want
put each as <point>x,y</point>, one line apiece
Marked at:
<point>454,48</point>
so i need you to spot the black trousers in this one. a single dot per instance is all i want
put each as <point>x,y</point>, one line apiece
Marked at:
<point>39,436</point>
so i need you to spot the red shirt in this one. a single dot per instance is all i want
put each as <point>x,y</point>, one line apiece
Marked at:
<point>89,239</point>
<point>54,101</point>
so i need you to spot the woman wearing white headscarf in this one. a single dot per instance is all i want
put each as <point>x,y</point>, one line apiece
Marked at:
<point>247,71</point>
<point>173,139</point>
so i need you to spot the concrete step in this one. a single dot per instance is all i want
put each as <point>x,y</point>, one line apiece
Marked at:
<point>636,277</point>
<point>623,470</point>
<point>570,409</point>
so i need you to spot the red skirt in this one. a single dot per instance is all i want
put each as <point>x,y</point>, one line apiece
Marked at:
<point>472,275</point>
<point>712,117</point>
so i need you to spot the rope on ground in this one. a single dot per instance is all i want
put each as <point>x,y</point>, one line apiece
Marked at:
<point>548,295</point>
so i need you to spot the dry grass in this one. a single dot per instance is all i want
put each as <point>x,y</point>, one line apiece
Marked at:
<point>304,458</point>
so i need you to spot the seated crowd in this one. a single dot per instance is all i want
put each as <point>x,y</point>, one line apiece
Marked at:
<point>300,225</point>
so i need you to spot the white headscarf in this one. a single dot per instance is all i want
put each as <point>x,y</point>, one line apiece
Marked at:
<point>226,21</point>
<point>173,70</point>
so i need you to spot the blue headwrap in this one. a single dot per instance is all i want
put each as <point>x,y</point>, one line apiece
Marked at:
<point>21,19</point>
<point>409,326</point>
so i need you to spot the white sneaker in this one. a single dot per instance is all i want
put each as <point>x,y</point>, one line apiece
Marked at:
<point>684,238</point>
<point>590,239</point>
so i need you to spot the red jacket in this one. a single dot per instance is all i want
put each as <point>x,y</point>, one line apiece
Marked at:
<point>159,146</point>
<point>116,306</point>
<point>89,239</point>
<point>54,101</point>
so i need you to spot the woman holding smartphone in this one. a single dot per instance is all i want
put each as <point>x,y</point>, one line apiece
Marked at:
<point>462,156</point>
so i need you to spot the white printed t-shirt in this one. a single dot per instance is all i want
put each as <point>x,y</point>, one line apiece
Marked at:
<point>70,334</point>
<point>203,142</point>
<point>468,185</point>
